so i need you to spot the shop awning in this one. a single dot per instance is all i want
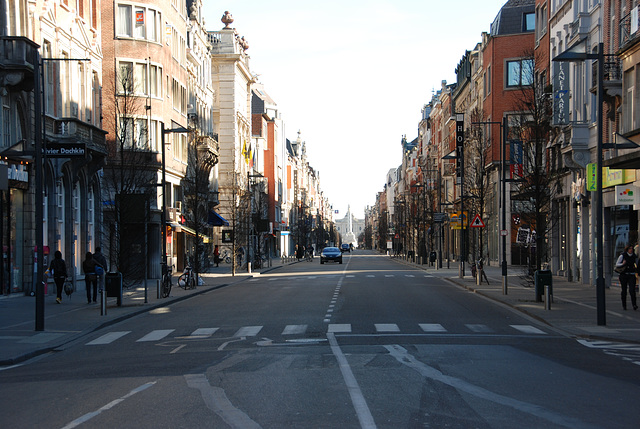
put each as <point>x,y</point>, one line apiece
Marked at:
<point>216,220</point>
<point>191,231</point>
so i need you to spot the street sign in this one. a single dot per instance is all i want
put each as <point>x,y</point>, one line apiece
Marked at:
<point>504,232</point>
<point>439,217</point>
<point>477,222</point>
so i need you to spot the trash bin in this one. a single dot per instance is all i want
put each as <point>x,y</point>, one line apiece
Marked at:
<point>113,286</point>
<point>432,257</point>
<point>543,278</point>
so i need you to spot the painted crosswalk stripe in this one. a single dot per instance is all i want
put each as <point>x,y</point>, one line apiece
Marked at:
<point>409,275</point>
<point>387,327</point>
<point>479,328</point>
<point>350,276</point>
<point>432,327</point>
<point>248,331</point>
<point>370,275</point>
<point>339,327</point>
<point>388,275</point>
<point>528,329</point>
<point>294,329</point>
<point>108,338</point>
<point>203,332</point>
<point>155,335</point>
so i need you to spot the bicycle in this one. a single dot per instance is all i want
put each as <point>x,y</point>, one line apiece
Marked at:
<point>308,255</point>
<point>226,257</point>
<point>166,281</point>
<point>187,279</point>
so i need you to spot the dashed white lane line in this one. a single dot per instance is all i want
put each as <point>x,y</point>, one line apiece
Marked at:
<point>155,335</point>
<point>108,338</point>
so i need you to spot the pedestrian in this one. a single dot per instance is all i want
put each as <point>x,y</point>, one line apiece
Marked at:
<point>90,277</point>
<point>216,255</point>
<point>58,268</point>
<point>100,259</point>
<point>628,263</point>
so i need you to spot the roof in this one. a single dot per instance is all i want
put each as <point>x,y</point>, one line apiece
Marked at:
<point>510,19</point>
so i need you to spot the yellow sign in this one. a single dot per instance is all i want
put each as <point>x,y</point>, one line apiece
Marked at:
<point>454,220</point>
<point>610,177</point>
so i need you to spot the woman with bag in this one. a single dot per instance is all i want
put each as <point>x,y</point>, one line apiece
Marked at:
<point>59,269</point>
<point>627,266</point>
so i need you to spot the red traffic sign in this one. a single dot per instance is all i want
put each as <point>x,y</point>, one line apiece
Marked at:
<point>477,222</point>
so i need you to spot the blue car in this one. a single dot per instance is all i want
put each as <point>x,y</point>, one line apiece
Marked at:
<point>346,247</point>
<point>330,254</point>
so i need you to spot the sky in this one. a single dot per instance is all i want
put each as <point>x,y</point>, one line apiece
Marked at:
<point>353,76</point>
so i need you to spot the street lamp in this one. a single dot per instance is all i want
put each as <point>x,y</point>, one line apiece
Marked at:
<point>250,253</point>
<point>578,52</point>
<point>503,186</point>
<point>163,218</point>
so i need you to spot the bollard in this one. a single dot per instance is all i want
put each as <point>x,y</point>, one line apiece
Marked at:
<point>547,297</point>
<point>103,297</point>
<point>249,267</point>
<point>158,289</point>
<point>478,276</point>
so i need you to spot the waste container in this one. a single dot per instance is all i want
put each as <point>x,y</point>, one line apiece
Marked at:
<point>113,286</point>
<point>543,278</point>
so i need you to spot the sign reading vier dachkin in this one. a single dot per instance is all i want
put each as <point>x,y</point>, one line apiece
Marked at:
<point>65,150</point>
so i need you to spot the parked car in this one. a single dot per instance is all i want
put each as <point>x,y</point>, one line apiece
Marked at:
<point>330,254</point>
<point>345,247</point>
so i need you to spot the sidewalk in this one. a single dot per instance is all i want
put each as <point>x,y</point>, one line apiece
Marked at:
<point>74,318</point>
<point>573,308</point>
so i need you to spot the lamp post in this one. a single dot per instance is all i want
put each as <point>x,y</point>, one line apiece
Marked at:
<point>163,215</point>
<point>503,191</point>
<point>578,52</point>
<point>250,253</point>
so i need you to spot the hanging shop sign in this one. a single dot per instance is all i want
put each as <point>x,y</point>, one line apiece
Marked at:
<point>65,150</point>
<point>627,195</point>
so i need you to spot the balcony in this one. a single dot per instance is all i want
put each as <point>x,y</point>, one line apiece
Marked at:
<point>208,150</point>
<point>629,25</point>
<point>611,79</point>
<point>18,62</point>
<point>66,130</point>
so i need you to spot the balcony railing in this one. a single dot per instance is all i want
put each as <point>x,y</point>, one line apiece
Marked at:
<point>629,26</point>
<point>612,71</point>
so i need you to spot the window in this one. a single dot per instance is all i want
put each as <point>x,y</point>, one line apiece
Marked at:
<point>138,22</point>
<point>125,78</point>
<point>529,22</point>
<point>140,78</point>
<point>124,21</point>
<point>6,122</point>
<point>628,100</point>
<point>519,73</point>
<point>48,73</point>
<point>155,81</point>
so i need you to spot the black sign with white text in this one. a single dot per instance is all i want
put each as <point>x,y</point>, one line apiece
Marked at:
<point>65,150</point>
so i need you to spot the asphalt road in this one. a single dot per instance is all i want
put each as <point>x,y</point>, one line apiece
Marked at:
<point>369,343</point>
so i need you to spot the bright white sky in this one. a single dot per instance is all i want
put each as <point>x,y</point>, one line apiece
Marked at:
<point>353,76</point>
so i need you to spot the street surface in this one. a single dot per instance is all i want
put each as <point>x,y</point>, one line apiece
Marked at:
<point>369,343</point>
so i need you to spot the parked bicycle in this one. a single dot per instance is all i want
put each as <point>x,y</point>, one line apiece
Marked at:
<point>188,279</point>
<point>225,256</point>
<point>166,281</point>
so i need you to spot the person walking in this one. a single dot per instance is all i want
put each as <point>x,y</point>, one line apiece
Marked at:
<point>100,259</point>
<point>216,255</point>
<point>628,263</point>
<point>58,268</point>
<point>90,277</point>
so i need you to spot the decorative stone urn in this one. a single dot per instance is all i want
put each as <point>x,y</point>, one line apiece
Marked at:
<point>227,20</point>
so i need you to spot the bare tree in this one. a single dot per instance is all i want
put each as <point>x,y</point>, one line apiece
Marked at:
<point>537,179</point>
<point>130,177</point>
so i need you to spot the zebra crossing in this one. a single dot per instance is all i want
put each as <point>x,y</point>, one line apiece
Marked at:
<point>301,329</point>
<point>273,278</point>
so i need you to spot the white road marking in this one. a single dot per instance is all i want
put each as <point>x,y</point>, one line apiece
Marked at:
<point>155,335</point>
<point>357,398</point>
<point>387,327</point>
<point>339,327</point>
<point>107,338</point>
<point>248,331</point>
<point>89,416</point>
<point>203,332</point>
<point>294,329</point>
<point>405,358</point>
<point>432,327</point>
<point>528,329</point>
<point>479,328</point>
